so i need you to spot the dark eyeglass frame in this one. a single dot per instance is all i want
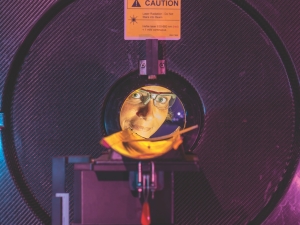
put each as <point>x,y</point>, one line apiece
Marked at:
<point>154,95</point>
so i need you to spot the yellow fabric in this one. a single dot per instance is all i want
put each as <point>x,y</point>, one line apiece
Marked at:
<point>131,145</point>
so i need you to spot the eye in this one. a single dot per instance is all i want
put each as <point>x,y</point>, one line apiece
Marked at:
<point>161,100</point>
<point>136,95</point>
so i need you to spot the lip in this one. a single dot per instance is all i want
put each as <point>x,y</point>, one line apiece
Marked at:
<point>140,128</point>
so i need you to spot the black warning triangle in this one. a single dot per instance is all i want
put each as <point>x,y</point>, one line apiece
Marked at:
<point>136,4</point>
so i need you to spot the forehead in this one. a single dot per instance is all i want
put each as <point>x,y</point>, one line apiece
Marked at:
<point>156,88</point>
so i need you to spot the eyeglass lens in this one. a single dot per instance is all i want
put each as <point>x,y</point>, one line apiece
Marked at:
<point>161,101</point>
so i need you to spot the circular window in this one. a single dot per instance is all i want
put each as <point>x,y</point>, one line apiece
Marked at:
<point>154,108</point>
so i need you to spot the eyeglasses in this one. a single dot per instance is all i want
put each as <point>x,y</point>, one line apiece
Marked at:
<point>162,100</point>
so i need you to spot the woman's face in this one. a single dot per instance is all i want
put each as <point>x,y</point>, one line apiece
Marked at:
<point>146,109</point>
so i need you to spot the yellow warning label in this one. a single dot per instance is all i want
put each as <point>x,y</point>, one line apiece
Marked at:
<point>152,19</point>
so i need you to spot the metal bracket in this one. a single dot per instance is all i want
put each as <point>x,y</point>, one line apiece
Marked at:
<point>152,66</point>
<point>146,180</point>
<point>65,207</point>
<point>153,183</point>
<point>161,67</point>
<point>139,182</point>
<point>58,185</point>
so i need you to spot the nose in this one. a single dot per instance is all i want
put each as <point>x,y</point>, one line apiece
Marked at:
<point>146,112</point>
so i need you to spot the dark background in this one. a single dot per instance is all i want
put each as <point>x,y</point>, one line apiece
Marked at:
<point>241,57</point>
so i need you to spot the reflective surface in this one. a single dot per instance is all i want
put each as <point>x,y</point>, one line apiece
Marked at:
<point>152,111</point>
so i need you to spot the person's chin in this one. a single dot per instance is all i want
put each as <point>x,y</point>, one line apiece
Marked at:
<point>143,134</point>
<point>143,131</point>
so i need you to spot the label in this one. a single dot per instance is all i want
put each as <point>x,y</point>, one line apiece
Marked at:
<point>152,19</point>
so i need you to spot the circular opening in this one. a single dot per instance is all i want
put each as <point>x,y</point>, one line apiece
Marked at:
<point>154,108</point>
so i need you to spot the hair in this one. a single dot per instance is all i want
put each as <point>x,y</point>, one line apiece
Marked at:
<point>169,115</point>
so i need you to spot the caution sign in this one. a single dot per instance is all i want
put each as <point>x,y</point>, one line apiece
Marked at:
<point>152,19</point>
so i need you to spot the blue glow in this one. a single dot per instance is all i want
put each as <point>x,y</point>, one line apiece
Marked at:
<point>204,109</point>
<point>1,150</point>
<point>1,120</point>
<point>2,161</point>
